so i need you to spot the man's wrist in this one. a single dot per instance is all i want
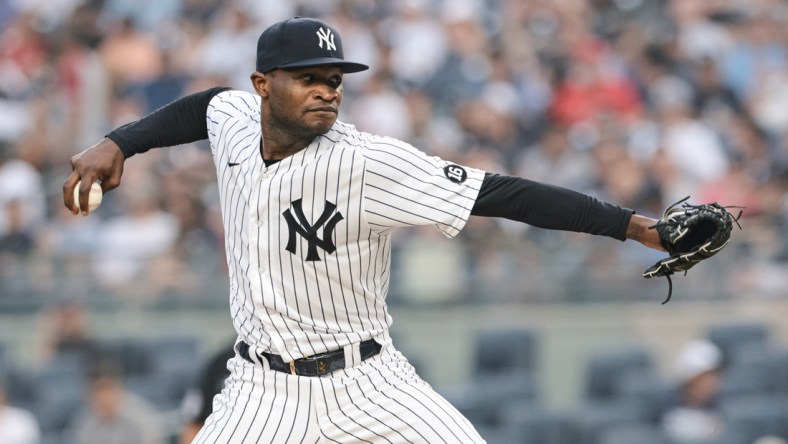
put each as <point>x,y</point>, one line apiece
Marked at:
<point>639,229</point>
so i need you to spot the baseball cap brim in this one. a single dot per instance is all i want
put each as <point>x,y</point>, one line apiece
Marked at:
<point>346,66</point>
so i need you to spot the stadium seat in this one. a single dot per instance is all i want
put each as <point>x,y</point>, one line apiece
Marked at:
<point>504,350</point>
<point>757,415</point>
<point>595,418</point>
<point>173,354</point>
<point>535,424</point>
<point>756,370</point>
<point>605,369</point>
<point>731,338</point>
<point>61,386</point>
<point>5,362</point>
<point>649,390</point>
<point>634,434</point>
<point>487,400</point>
<point>132,354</point>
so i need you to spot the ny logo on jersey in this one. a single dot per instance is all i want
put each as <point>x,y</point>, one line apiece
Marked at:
<point>325,35</point>
<point>309,231</point>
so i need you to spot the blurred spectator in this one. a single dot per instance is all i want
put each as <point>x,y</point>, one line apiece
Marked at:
<point>131,56</point>
<point>592,86</point>
<point>417,42</point>
<point>690,144</point>
<point>115,415</point>
<point>758,52</point>
<point>17,238</point>
<point>197,404</point>
<point>22,204</point>
<point>466,65</point>
<point>128,242</point>
<point>770,440</point>
<point>146,14</point>
<point>17,426</point>
<point>698,35</point>
<point>230,28</point>
<point>553,159</point>
<point>692,91</point>
<point>695,416</point>
<point>64,330</point>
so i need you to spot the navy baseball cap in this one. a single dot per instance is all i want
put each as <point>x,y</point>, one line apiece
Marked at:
<point>300,42</point>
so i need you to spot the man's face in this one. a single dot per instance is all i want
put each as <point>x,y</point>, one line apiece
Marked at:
<point>105,397</point>
<point>302,101</point>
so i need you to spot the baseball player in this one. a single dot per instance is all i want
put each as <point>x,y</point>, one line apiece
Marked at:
<point>309,204</point>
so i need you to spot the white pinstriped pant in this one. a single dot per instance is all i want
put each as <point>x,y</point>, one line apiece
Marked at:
<point>381,400</point>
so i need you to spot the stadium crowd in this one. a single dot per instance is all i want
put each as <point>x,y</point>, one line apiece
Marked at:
<point>637,102</point>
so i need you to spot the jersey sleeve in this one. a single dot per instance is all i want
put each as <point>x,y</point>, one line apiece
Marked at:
<point>181,121</point>
<point>232,117</point>
<point>403,187</point>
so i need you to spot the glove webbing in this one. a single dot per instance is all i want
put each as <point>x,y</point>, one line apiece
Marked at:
<point>685,205</point>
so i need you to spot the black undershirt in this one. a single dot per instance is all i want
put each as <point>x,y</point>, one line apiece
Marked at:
<point>523,200</point>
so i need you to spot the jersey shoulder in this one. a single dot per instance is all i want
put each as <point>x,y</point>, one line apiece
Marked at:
<point>350,137</point>
<point>234,104</point>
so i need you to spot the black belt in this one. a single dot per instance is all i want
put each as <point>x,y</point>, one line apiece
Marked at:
<point>312,365</point>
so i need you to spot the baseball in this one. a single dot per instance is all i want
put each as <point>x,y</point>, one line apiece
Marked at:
<point>94,198</point>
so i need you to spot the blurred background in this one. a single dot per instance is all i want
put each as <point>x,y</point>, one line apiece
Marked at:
<point>107,322</point>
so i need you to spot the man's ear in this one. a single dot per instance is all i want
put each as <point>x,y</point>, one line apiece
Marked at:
<point>260,83</point>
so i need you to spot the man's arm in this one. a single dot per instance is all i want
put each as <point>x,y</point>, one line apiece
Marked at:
<point>640,229</point>
<point>179,122</point>
<point>556,208</point>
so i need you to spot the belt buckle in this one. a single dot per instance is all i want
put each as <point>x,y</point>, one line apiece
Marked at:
<point>293,368</point>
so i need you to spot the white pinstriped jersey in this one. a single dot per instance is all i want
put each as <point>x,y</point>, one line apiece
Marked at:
<point>308,237</point>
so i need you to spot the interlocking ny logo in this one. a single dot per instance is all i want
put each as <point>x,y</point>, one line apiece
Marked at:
<point>325,35</point>
<point>309,231</point>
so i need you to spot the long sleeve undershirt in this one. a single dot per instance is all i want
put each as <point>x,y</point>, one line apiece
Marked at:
<point>523,200</point>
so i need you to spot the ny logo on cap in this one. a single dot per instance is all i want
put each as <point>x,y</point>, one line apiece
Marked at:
<point>325,35</point>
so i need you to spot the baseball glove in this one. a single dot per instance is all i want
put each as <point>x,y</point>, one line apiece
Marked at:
<point>690,234</point>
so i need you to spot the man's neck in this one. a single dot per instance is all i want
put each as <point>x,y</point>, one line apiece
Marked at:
<point>277,145</point>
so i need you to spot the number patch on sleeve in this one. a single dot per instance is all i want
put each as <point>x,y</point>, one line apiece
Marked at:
<point>455,173</point>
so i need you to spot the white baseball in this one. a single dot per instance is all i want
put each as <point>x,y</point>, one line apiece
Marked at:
<point>94,198</point>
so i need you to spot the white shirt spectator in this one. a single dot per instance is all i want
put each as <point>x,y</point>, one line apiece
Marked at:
<point>418,44</point>
<point>696,150</point>
<point>18,426</point>
<point>20,181</point>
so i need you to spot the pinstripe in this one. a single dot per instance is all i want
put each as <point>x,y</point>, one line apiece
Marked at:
<point>304,277</point>
<point>430,171</point>
<point>294,417</point>
<point>283,300</point>
<point>400,171</point>
<point>256,411</point>
<point>432,396</point>
<point>352,418</point>
<point>328,417</point>
<point>416,201</point>
<point>401,210</point>
<point>271,214</point>
<point>328,284</point>
<point>306,280</point>
<point>390,413</point>
<point>377,319</point>
<point>370,415</point>
<point>405,407</point>
<point>292,268</point>
<point>241,415</point>
<point>271,412</point>
<point>228,401</point>
<point>373,389</point>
